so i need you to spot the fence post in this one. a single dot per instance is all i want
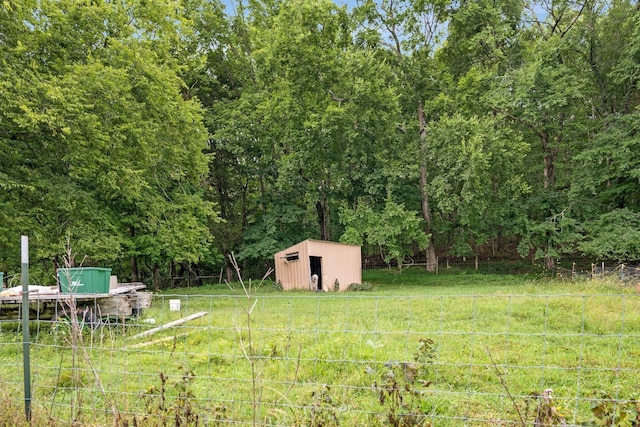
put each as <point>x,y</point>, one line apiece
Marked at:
<point>26,364</point>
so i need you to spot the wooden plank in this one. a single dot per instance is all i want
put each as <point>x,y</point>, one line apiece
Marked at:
<point>126,284</point>
<point>161,340</point>
<point>124,288</point>
<point>120,301</point>
<point>170,325</point>
<point>52,297</point>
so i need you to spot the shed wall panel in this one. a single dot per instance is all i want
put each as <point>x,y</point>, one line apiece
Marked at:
<point>293,274</point>
<point>339,262</point>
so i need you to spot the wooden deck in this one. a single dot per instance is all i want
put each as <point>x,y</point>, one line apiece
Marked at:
<point>122,301</point>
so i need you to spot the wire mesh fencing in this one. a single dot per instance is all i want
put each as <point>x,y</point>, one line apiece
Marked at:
<point>275,358</point>
<point>568,267</point>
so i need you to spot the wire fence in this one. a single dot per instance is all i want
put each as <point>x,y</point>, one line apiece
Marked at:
<point>277,358</point>
<point>568,267</point>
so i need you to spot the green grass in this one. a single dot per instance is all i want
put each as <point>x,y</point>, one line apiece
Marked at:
<point>488,331</point>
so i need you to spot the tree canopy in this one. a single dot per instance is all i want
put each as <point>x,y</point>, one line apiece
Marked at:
<point>158,137</point>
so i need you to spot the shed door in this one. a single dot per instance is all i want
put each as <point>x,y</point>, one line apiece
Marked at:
<point>316,268</point>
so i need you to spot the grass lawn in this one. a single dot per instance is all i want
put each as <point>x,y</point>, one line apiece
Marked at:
<point>420,349</point>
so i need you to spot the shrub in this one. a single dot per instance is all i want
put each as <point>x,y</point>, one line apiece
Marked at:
<point>360,287</point>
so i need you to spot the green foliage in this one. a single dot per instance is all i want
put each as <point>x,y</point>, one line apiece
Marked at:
<point>360,287</point>
<point>614,235</point>
<point>174,403</point>
<point>425,356</point>
<point>402,386</point>
<point>609,411</point>
<point>323,411</point>
<point>132,128</point>
<point>551,238</point>
<point>479,174</point>
<point>483,42</point>
<point>393,232</point>
<point>610,160</point>
<point>108,153</point>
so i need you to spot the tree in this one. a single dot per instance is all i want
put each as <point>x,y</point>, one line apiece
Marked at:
<point>544,97</point>
<point>408,31</point>
<point>393,232</point>
<point>482,37</point>
<point>106,150</point>
<point>478,173</point>
<point>324,107</point>
<point>242,172</point>
<point>613,236</point>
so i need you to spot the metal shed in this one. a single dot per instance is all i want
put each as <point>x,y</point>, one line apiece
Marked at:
<point>319,265</point>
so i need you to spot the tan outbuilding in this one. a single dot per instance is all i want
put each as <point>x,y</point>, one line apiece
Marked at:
<point>319,266</point>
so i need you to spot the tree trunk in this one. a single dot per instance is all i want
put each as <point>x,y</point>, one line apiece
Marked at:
<point>549,161</point>
<point>180,273</point>
<point>228,267</point>
<point>432,259</point>
<point>134,269</point>
<point>549,263</point>
<point>323,219</point>
<point>424,195</point>
<point>172,272</point>
<point>229,273</point>
<point>156,277</point>
<point>134,262</point>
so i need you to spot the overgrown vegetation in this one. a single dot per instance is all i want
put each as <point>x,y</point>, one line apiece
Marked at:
<point>11,411</point>
<point>420,351</point>
<point>323,411</point>
<point>178,407</point>
<point>541,410</point>
<point>615,411</point>
<point>401,389</point>
<point>360,287</point>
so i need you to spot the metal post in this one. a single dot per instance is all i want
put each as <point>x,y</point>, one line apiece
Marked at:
<point>25,327</point>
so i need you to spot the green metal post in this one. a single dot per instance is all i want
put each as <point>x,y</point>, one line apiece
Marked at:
<point>26,344</point>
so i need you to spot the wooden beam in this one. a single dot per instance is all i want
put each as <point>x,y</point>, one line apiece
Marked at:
<point>124,288</point>
<point>170,325</point>
<point>161,340</point>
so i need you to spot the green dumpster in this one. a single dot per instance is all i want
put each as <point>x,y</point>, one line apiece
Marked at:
<point>84,280</point>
